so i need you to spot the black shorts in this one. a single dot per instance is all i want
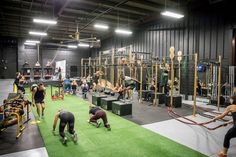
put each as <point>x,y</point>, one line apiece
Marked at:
<point>39,101</point>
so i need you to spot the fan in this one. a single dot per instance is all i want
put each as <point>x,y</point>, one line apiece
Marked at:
<point>92,41</point>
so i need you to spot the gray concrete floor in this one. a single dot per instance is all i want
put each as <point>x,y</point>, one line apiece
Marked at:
<point>144,113</point>
<point>38,152</point>
<point>6,86</point>
<point>196,137</point>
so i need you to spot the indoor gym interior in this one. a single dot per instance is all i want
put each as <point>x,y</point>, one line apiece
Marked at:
<point>160,71</point>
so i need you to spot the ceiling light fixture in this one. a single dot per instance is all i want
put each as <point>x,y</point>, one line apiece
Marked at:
<point>32,41</point>
<point>72,46</point>
<point>123,31</point>
<point>83,45</point>
<point>31,44</point>
<point>101,26</point>
<point>44,21</point>
<point>38,33</point>
<point>172,14</point>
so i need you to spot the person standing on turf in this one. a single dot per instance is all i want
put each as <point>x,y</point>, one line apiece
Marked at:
<point>97,113</point>
<point>38,97</point>
<point>66,118</point>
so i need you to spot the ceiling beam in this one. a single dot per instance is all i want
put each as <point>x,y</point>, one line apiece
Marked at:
<point>81,12</point>
<point>106,5</point>
<point>145,5</point>
<point>165,2</point>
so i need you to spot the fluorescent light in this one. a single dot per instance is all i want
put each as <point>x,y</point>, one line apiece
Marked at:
<point>32,44</point>
<point>101,26</point>
<point>38,33</point>
<point>32,41</point>
<point>44,21</point>
<point>172,14</point>
<point>83,45</point>
<point>72,46</point>
<point>123,31</point>
<point>121,49</point>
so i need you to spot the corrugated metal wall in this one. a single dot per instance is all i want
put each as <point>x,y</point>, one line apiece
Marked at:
<point>207,35</point>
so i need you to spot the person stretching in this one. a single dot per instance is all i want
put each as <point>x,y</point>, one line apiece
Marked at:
<point>97,113</point>
<point>66,118</point>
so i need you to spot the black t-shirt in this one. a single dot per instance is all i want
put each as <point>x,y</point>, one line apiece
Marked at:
<point>93,110</point>
<point>152,88</point>
<point>73,86</point>
<point>199,85</point>
<point>17,80</point>
<point>39,94</point>
<point>95,79</point>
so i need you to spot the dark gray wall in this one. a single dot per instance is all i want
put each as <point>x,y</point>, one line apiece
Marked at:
<point>207,35</point>
<point>8,57</point>
<point>72,56</point>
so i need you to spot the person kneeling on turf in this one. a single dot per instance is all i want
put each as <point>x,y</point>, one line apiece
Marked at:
<point>66,118</point>
<point>97,113</point>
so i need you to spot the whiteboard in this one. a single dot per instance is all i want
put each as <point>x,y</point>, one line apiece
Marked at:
<point>62,65</point>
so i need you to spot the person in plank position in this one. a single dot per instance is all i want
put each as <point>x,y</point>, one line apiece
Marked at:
<point>66,118</point>
<point>97,113</point>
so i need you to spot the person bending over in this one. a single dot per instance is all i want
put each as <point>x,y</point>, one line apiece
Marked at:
<point>66,118</point>
<point>120,90</point>
<point>38,97</point>
<point>96,113</point>
<point>231,132</point>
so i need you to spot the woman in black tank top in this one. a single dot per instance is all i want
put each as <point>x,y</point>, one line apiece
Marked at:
<point>231,132</point>
<point>38,98</point>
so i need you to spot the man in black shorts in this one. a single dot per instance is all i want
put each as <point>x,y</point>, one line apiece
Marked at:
<point>66,118</point>
<point>97,113</point>
<point>38,97</point>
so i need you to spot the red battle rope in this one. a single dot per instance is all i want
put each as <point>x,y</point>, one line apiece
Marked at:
<point>192,122</point>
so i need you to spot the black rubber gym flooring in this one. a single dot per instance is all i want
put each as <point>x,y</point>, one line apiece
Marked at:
<point>31,137</point>
<point>144,113</point>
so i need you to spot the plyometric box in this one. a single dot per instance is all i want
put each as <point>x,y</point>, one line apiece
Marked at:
<point>145,93</point>
<point>96,99</point>
<point>106,103</point>
<point>122,108</point>
<point>177,101</point>
<point>160,96</point>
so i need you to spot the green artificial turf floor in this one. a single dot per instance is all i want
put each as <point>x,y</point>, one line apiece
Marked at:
<point>126,139</point>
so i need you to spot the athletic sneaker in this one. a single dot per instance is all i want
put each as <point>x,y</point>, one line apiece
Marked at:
<point>38,118</point>
<point>64,140</point>
<point>98,124</point>
<point>221,154</point>
<point>108,127</point>
<point>75,138</point>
